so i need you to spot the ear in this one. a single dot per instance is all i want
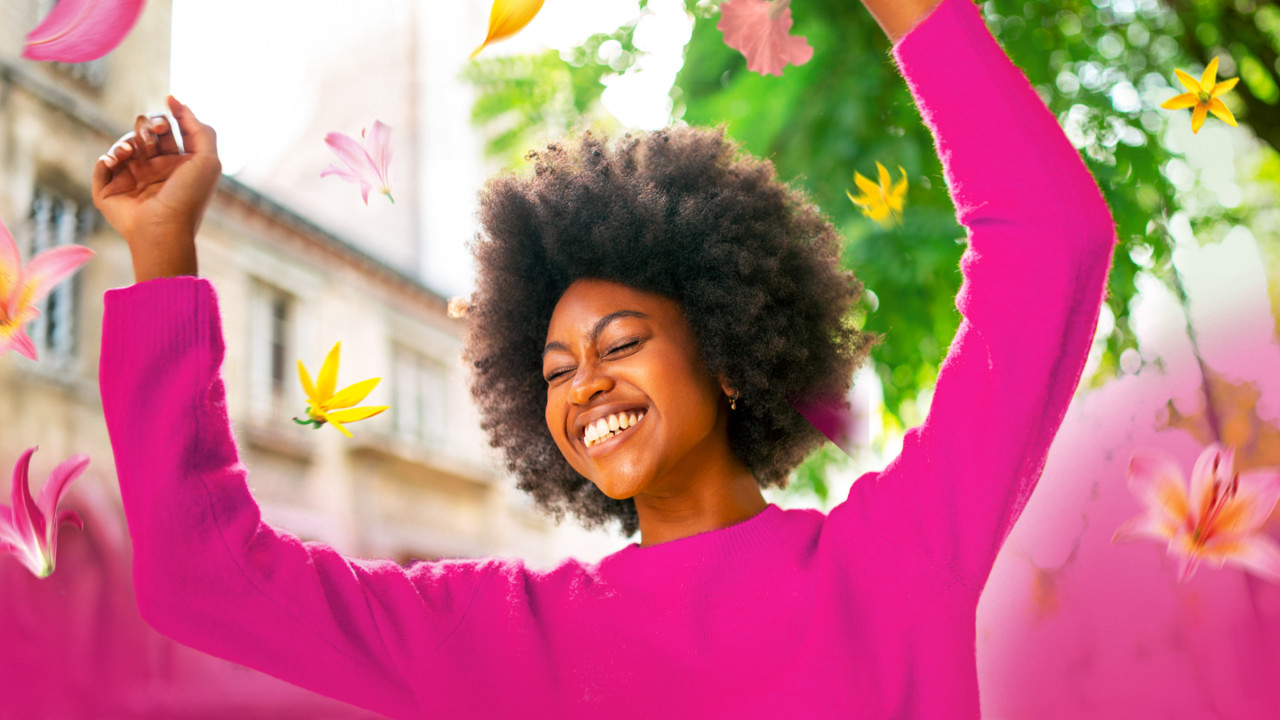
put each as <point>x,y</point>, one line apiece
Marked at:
<point>726,387</point>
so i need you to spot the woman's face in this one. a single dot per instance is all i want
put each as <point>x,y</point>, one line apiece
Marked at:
<point>628,358</point>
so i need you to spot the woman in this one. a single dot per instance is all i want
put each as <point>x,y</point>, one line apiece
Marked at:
<point>729,606</point>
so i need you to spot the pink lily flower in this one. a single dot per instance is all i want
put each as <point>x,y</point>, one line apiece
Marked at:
<point>20,291</point>
<point>366,164</point>
<point>82,30</point>
<point>761,31</point>
<point>30,528</point>
<point>1220,521</point>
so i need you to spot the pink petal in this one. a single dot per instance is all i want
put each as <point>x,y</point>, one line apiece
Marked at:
<point>10,269</point>
<point>64,473</point>
<point>354,156</point>
<point>19,340</point>
<point>1187,562</point>
<point>27,520</point>
<point>51,267</point>
<point>767,44</point>
<point>1214,462</point>
<point>1256,495</point>
<point>379,148</point>
<point>82,30</point>
<point>1149,525</point>
<point>349,177</point>
<point>1156,480</point>
<point>1259,555</point>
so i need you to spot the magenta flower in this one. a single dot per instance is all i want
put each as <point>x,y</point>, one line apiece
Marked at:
<point>21,291</point>
<point>366,163</point>
<point>82,30</point>
<point>761,31</point>
<point>30,528</point>
<point>1220,520</point>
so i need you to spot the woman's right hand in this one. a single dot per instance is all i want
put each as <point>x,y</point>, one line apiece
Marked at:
<point>155,194</point>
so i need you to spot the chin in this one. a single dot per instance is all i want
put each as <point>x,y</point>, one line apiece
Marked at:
<point>618,488</point>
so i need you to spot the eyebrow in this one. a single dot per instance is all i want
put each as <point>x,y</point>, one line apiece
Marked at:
<point>599,327</point>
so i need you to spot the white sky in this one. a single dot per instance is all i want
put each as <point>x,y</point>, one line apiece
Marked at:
<point>235,61</point>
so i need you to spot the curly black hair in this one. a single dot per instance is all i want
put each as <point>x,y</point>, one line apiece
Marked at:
<point>686,214</point>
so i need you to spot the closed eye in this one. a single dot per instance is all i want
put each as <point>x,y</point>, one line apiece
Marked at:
<point>623,346</point>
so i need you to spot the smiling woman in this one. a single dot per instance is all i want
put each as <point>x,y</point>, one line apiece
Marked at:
<point>647,312</point>
<point>725,280</point>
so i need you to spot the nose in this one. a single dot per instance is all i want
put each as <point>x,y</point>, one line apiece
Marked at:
<point>588,381</point>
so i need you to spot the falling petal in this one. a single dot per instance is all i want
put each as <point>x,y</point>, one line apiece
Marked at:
<point>762,33</point>
<point>507,18</point>
<point>307,386</point>
<point>62,475</point>
<point>351,395</point>
<point>78,31</point>
<point>354,414</point>
<point>1224,86</point>
<point>1210,74</point>
<point>1220,110</point>
<point>1155,478</point>
<point>1260,555</point>
<point>1198,116</point>
<point>1180,102</point>
<point>328,379</point>
<point>1191,84</point>
<point>10,268</point>
<point>51,267</point>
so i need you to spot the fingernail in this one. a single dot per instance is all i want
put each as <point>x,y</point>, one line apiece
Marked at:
<point>108,160</point>
<point>159,124</point>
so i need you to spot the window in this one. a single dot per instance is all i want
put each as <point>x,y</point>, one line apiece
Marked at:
<point>273,353</point>
<point>418,403</point>
<point>57,221</point>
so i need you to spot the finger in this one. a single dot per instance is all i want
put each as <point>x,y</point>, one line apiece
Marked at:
<point>197,137</point>
<point>166,140</point>
<point>145,140</point>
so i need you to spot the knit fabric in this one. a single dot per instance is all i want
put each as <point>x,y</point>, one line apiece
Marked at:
<point>865,612</point>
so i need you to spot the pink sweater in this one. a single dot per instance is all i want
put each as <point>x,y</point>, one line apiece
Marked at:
<point>866,612</point>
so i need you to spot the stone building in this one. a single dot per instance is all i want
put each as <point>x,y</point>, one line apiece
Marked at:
<point>417,482</point>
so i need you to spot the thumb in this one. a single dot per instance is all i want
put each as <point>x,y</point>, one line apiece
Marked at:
<point>197,138</point>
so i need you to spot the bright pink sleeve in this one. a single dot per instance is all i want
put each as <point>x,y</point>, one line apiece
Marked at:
<point>1040,245</point>
<point>208,572</point>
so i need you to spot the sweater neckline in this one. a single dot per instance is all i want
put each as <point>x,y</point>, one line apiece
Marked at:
<point>741,540</point>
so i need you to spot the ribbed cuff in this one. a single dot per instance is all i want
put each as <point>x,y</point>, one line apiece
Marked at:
<point>161,317</point>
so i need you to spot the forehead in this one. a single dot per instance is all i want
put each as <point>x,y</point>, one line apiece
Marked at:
<point>587,300</point>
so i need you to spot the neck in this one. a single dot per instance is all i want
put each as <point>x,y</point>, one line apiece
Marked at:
<point>717,491</point>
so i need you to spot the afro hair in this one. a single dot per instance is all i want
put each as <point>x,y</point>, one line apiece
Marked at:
<point>685,214</point>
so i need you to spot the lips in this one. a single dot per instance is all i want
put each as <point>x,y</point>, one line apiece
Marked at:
<point>610,426</point>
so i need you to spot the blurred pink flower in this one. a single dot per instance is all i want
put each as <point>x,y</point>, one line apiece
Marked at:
<point>761,30</point>
<point>1219,521</point>
<point>30,528</point>
<point>82,30</point>
<point>21,291</point>
<point>366,163</point>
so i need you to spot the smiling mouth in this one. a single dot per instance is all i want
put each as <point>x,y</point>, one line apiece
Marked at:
<point>611,426</point>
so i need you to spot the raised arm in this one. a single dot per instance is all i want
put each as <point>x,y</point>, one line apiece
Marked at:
<point>208,571</point>
<point>1040,245</point>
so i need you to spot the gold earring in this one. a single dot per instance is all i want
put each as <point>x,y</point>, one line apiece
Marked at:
<point>733,402</point>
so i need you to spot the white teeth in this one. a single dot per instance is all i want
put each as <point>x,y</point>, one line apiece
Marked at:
<point>605,428</point>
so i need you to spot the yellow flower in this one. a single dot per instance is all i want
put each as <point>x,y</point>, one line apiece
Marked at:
<point>328,407</point>
<point>1203,96</point>
<point>883,202</point>
<point>507,18</point>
